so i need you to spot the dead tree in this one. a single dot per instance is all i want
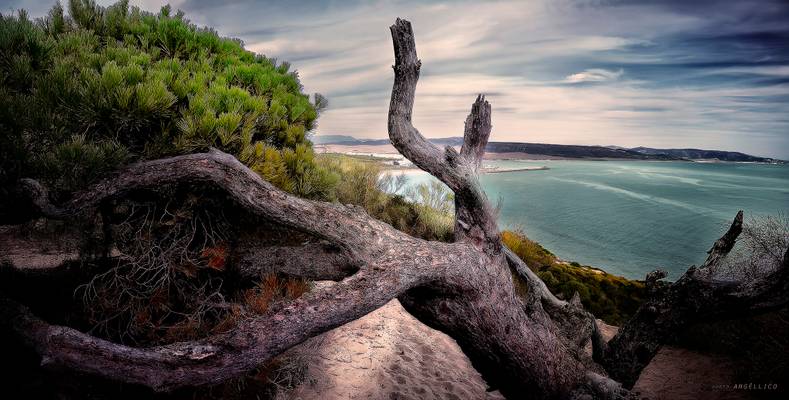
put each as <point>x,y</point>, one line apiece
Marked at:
<point>526,346</point>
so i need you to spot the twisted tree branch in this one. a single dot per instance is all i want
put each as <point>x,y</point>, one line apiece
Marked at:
<point>314,261</point>
<point>474,217</point>
<point>389,263</point>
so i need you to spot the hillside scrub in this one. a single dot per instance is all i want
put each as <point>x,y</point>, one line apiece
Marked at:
<point>86,92</point>
<point>611,298</point>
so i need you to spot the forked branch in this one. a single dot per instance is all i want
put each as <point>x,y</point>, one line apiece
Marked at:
<point>475,219</point>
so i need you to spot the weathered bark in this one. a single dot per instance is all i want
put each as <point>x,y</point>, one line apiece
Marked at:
<point>314,261</point>
<point>474,217</point>
<point>527,345</point>
<point>697,296</point>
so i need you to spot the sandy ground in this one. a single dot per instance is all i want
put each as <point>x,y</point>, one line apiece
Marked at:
<point>680,374</point>
<point>677,373</point>
<point>388,354</point>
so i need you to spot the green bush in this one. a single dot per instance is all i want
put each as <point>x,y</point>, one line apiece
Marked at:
<point>83,94</point>
<point>609,297</point>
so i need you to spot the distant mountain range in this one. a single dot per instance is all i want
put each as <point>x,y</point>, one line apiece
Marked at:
<point>570,151</point>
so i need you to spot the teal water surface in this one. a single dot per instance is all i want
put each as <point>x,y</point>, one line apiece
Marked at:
<point>630,217</point>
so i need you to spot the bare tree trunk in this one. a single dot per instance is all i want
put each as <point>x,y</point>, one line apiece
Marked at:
<point>526,346</point>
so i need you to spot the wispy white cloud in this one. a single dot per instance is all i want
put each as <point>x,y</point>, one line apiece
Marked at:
<point>594,75</point>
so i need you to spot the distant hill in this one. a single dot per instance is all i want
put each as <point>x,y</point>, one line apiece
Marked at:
<point>341,139</point>
<point>697,154</point>
<point>570,151</point>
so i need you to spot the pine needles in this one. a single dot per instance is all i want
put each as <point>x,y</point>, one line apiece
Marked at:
<point>143,85</point>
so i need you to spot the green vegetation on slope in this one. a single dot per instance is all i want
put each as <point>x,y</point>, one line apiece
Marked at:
<point>83,94</point>
<point>609,297</point>
<point>363,182</point>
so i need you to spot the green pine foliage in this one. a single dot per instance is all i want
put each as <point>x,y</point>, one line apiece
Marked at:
<point>84,93</point>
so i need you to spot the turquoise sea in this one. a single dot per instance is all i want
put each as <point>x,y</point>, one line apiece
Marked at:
<point>630,217</point>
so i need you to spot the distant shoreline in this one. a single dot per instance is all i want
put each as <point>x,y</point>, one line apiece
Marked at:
<point>485,170</point>
<point>388,151</point>
<point>498,170</point>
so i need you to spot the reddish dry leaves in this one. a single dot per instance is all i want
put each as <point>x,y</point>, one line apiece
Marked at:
<point>216,257</point>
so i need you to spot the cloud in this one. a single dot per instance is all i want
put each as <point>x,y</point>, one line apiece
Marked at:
<point>594,75</point>
<point>659,73</point>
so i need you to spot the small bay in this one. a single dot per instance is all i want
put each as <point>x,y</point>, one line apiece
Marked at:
<point>630,217</point>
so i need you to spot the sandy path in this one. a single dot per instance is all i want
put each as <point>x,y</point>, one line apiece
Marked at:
<point>388,354</point>
<point>677,373</point>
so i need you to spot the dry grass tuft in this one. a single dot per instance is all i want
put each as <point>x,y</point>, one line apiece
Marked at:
<point>294,288</point>
<point>258,299</point>
<point>272,288</point>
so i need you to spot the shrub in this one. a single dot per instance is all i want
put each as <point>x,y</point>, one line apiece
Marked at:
<point>362,181</point>
<point>435,207</point>
<point>82,94</point>
<point>529,251</point>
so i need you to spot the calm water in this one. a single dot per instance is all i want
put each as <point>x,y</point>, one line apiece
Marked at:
<point>631,217</point>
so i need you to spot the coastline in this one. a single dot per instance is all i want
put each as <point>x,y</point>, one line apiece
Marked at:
<point>388,151</point>
<point>484,170</point>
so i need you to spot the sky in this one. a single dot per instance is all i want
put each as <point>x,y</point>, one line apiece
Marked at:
<point>659,73</point>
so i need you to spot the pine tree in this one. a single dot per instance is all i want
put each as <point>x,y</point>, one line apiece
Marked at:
<point>84,94</point>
